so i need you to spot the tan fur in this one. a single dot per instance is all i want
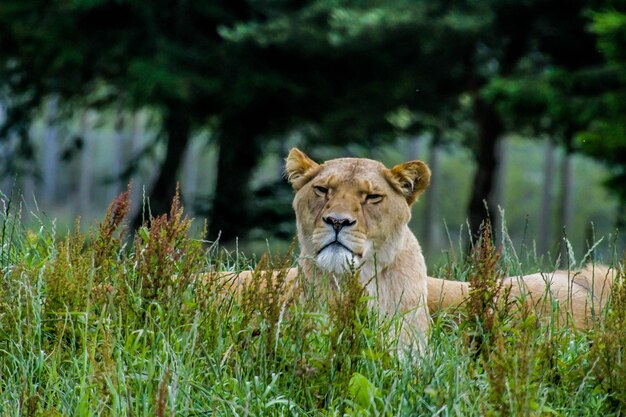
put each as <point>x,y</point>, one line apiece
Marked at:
<point>375,201</point>
<point>389,257</point>
<point>576,297</point>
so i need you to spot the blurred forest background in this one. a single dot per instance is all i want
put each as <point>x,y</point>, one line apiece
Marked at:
<point>514,104</point>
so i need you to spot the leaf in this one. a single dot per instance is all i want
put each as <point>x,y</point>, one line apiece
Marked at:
<point>364,393</point>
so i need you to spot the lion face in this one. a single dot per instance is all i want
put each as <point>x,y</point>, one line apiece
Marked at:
<point>352,211</point>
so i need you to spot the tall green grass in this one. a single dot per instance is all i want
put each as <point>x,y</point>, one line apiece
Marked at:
<point>99,324</point>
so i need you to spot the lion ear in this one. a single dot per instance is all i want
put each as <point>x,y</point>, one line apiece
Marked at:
<point>410,179</point>
<point>299,168</point>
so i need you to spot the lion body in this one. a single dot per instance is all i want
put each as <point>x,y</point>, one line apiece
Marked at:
<point>352,215</point>
<point>577,297</point>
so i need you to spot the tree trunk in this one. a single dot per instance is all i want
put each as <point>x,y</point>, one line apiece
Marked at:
<point>237,158</point>
<point>51,153</point>
<point>119,155</point>
<point>177,127</point>
<point>620,221</point>
<point>489,130</point>
<point>431,222</point>
<point>545,216</point>
<point>414,147</point>
<point>86,163</point>
<point>566,206</point>
<point>190,180</point>
<point>27,188</point>
<point>136,180</point>
<point>282,153</point>
<point>499,194</point>
<point>7,180</point>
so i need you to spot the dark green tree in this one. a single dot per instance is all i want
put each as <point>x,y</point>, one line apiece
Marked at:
<point>543,57</point>
<point>367,71</point>
<point>165,56</point>
<point>606,137</point>
<point>338,72</point>
<point>429,59</point>
<point>559,88</point>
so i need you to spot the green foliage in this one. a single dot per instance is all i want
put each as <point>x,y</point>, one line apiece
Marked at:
<point>604,139</point>
<point>366,397</point>
<point>610,25</point>
<point>485,277</point>
<point>608,346</point>
<point>336,72</point>
<point>166,259</point>
<point>92,325</point>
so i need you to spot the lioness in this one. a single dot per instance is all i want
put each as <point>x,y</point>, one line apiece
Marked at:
<point>354,213</point>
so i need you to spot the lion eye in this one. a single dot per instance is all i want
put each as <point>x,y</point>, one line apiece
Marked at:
<point>321,191</point>
<point>374,198</point>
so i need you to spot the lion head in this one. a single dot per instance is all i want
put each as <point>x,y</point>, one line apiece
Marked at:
<point>353,210</point>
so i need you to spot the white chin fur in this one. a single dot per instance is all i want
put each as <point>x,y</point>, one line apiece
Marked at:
<point>336,259</point>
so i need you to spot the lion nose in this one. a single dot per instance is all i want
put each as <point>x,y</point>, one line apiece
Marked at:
<point>338,224</point>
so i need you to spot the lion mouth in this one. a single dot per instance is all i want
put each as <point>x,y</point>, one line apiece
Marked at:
<point>337,243</point>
